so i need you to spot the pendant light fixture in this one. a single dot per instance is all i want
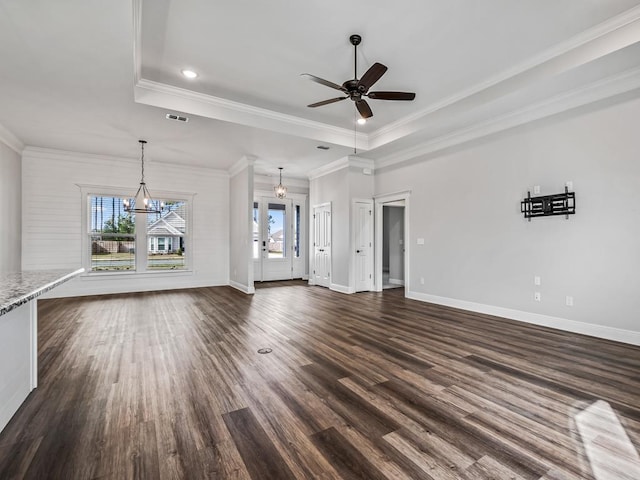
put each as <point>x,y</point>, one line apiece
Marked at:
<point>142,202</point>
<point>281,190</point>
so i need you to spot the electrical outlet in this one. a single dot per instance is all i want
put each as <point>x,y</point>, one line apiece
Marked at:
<point>569,185</point>
<point>536,280</point>
<point>569,301</point>
<point>420,241</point>
<point>421,280</point>
<point>537,296</point>
<point>536,189</point>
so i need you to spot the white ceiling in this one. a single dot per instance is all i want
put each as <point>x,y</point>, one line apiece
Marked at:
<point>94,76</point>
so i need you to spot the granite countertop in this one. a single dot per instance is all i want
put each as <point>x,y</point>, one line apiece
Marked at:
<point>19,287</point>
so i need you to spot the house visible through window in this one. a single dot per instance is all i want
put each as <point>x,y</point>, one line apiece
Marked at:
<point>168,228</point>
<point>114,238</point>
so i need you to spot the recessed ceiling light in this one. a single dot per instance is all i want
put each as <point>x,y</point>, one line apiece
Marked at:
<point>362,121</point>
<point>189,73</point>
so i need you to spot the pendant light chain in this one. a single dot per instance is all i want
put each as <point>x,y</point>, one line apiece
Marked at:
<point>142,202</point>
<point>142,142</point>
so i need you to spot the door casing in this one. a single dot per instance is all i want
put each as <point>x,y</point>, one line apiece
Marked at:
<point>379,201</point>
<point>362,245</point>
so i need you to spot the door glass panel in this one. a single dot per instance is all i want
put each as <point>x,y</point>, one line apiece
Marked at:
<point>256,230</point>
<point>276,230</point>
<point>296,231</point>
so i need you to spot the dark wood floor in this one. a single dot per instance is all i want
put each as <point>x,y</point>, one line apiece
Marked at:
<point>170,385</point>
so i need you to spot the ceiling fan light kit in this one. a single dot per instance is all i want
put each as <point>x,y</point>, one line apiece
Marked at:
<point>356,89</point>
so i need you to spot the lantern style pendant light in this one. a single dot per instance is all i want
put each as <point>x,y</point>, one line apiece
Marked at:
<point>281,190</point>
<point>142,202</point>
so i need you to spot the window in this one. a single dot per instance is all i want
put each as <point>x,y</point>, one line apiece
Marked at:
<point>115,236</point>
<point>296,231</point>
<point>277,230</point>
<point>256,230</point>
<point>112,235</point>
<point>168,229</point>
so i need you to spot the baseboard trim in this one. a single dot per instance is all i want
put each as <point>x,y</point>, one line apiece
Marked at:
<point>396,281</point>
<point>341,288</point>
<point>79,289</point>
<point>593,330</point>
<point>242,288</point>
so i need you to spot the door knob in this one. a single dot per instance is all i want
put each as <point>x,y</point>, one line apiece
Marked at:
<point>357,251</point>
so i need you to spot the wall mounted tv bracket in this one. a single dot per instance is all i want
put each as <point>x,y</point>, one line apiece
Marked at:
<point>548,205</point>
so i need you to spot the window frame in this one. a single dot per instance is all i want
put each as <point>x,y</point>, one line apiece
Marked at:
<point>141,238</point>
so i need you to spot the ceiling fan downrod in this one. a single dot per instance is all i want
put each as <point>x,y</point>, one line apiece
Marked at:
<point>355,40</point>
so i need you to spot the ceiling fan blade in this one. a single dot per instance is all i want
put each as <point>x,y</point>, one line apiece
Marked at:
<point>324,82</point>
<point>391,95</point>
<point>363,108</point>
<point>327,102</point>
<point>371,76</point>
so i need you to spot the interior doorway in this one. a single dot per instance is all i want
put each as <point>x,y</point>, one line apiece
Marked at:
<point>392,241</point>
<point>393,248</point>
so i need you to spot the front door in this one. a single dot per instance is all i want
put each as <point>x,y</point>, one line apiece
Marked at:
<point>277,239</point>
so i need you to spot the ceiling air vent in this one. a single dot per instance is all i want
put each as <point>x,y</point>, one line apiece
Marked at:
<point>179,118</point>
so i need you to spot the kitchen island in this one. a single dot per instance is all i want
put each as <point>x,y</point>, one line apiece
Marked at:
<point>19,333</point>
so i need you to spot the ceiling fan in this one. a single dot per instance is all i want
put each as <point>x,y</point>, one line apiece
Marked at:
<point>356,89</point>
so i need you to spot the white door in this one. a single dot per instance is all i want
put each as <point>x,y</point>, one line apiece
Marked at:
<point>278,239</point>
<point>274,234</point>
<point>363,237</point>
<point>321,271</point>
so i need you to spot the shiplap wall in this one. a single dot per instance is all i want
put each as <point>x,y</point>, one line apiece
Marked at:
<point>10,214</point>
<point>52,218</point>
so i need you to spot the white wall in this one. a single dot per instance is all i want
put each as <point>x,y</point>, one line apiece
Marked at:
<point>334,188</point>
<point>11,212</point>
<point>52,219</point>
<point>479,252</point>
<point>341,187</point>
<point>241,228</point>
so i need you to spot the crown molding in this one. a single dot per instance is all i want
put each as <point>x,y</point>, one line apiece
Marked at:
<point>603,39</point>
<point>593,92</point>
<point>161,95</point>
<point>329,168</point>
<point>67,155</point>
<point>51,154</point>
<point>344,162</point>
<point>245,162</point>
<point>596,42</point>
<point>10,140</point>
<point>273,180</point>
